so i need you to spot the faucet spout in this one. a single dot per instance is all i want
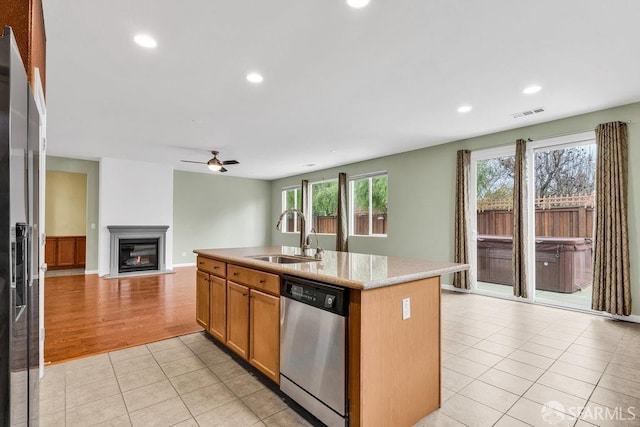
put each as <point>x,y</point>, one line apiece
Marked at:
<point>303,226</point>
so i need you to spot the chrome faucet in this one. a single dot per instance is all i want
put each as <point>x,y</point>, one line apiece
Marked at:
<point>318,248</point>
<point>303,227</point>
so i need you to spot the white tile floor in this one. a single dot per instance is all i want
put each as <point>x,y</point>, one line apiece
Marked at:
<point>580,298</point>
<point>185,381</point>
<point>506,363</point>
<point>502,361</point>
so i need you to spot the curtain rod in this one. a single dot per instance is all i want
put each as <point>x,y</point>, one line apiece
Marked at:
<point>571,133</point>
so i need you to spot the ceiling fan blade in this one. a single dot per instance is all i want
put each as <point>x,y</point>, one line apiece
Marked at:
<point>191,161</point>
<point>230,162</point>
<point>223,170</point>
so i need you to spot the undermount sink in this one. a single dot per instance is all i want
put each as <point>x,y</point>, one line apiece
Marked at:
<point>283,259</point>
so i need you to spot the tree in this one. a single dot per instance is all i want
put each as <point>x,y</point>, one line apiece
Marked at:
<point>566,171</point>
<point>495,179</point>
<point>325,199</point>
<point>292,195</point>
<point>379,194</point>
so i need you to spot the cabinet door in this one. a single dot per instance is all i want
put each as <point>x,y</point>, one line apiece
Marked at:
<point>81,251</point>
<point>202,299</point>
<point>66,254</point>
<point>238,318</point>
<point>264,341</point>
<point>50,251</point>
<point>218,308</point>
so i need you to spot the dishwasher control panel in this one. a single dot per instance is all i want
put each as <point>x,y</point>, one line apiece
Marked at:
<point>325,297</point>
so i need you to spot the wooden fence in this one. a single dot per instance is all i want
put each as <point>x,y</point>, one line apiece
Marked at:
<point>329,224</point>
<point>548,202</point>
<point>555,222</point>
<point>556,216</point>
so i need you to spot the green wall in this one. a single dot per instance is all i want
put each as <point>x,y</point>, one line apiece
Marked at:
<point>91,169</point>
<point>422,191</point>
<point>213,211</point>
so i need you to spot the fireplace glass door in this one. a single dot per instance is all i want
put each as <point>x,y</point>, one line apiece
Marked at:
<point>138,255</point>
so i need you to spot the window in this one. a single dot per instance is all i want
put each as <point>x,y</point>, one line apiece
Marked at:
<point>291,199</point>
<point>369,205</point>
<point>324,206</point>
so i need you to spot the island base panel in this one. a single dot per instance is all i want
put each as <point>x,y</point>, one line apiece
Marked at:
<point>394,363</point>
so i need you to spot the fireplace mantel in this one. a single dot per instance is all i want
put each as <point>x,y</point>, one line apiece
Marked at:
<point>118,232</point>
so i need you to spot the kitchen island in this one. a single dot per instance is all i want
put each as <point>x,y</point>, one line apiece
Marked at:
<point>393,321</point>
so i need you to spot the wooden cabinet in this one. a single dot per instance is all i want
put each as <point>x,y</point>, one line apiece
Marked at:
<point>243,311</point>
<point>50,252</point>
<point>212,266</point>
<point>256,279</point>
<point>211,297</point>
<point>202,299</point>
<point>65,252</point>
<point>81,251</point>
<point>264,333</point>
<point>238,318</point>
<point>218,308</point>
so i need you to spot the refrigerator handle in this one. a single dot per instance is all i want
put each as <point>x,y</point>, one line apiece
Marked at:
<point>20,276</point>
<point>14,264</point>
<point>28,259</point>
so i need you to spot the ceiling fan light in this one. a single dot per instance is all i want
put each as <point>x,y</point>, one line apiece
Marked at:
<point>214,167</point>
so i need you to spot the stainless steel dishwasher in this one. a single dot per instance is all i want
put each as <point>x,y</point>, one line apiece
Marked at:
<point>313,334</point>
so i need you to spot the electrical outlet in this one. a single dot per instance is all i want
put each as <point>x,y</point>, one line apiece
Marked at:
<point>184,254</point>
<point>406,308</point>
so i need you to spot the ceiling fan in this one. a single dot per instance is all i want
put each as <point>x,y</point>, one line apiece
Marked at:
<point>215,164</point>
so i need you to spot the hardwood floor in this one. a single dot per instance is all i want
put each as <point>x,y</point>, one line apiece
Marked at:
<point>87,315</point>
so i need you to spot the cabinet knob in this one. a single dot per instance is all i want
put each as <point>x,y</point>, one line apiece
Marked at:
<point>244,295</point>
<point>201,263</point>
<point>215,267</point>
<point>262,280</point>
<point>235,274</point>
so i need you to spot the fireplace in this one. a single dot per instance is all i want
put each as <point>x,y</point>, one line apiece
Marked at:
<point>137,255</point>
<point>137,249</point>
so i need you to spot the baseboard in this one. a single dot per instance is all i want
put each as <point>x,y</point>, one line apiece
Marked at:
<point>631,318</point>
<point>454,289</point>
<point>91,272</point>
<point>186,264</point>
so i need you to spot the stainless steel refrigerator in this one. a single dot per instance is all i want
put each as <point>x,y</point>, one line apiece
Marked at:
<point>19,240</point>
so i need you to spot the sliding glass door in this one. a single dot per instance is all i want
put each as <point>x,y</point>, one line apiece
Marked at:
<point>492,208</point>
<point>560,197</point>
<point>561,216</point>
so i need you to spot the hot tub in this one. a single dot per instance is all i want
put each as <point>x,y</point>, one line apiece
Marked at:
<point>563,264</point>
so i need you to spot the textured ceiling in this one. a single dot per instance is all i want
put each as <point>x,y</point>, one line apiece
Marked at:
<point>341,84</point>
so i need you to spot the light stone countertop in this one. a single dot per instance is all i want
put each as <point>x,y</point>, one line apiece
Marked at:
<point>347,269</point>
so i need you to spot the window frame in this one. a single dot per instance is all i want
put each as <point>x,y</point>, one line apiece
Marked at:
<point>285,190</point>
<point>310,203</point>
<point>370,176</point>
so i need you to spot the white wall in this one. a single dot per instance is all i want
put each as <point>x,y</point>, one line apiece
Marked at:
<point>134,193</point>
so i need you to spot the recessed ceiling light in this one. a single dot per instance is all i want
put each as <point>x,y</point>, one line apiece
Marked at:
<point>464,109</point>
<point>309,165</point>
<point>145,40</point>
<point>532,89</point>
<point>357,4</point>
<point>255,77</point>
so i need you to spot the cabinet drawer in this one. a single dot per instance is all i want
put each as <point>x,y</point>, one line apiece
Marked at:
<point>256,279</point>
<point>212,266</point>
